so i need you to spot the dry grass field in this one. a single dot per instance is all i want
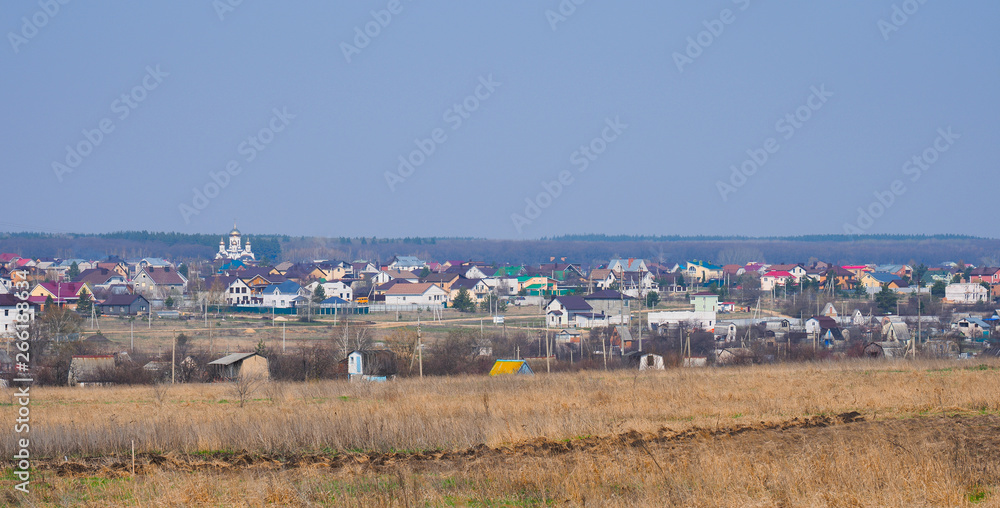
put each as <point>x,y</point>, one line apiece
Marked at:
<point>835,434</point>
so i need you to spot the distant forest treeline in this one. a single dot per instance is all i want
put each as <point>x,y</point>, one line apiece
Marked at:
<point>585,249</point>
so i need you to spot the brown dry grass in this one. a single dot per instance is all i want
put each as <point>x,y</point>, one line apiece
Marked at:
<point>904,454</point>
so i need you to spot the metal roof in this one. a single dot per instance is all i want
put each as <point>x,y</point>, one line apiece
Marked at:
<point>510,367</point>
<point>231,359</point>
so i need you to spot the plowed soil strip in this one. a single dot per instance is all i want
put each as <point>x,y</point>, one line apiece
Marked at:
<point>150,462</point>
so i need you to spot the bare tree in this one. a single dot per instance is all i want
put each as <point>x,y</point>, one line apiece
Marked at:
<point>243,386</point>
<point>160,390</point>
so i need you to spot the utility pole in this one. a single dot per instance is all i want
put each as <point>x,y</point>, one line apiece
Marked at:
<point>919,326</point>
<point>640,316</point>
<point>548,348</point>
<point>687,346</point>
<point>604,345</point>
<point>420,348</point>
<point>173,358</point>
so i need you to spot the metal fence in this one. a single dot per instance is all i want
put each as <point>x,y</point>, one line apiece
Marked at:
<point>382,307</point>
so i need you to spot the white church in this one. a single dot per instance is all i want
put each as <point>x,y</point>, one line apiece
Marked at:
<point>235,250</point>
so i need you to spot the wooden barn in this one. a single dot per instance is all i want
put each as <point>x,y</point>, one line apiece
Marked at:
<point>240,364</point>
<point>91,370</point>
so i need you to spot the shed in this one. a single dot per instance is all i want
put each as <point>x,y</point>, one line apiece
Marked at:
<point>371,365</point>
<point>644,361</point>
<point>567,336</point>
<point>6,363</point>
<point>511,367</point>
<point>90,370</point>
<point>232,366</point>
<point>884,350</point>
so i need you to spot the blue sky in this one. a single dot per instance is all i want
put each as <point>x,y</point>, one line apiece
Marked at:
<point>506,99</point>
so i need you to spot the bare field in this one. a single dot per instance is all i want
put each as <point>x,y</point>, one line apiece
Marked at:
<point>838,434</point>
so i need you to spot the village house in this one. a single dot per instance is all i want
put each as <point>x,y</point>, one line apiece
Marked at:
<point>419,294</point>
<point>571,311</point>
<point>10,315</point>
<point>873,281</point>
<point>124,305</point>
<point>966,293</point>
<point>406,263</point>
<point>617,306</point>
<point>63,294</point>
<point>101,278</point>
<point>773,279</point>
<point>702,271</point>
<point>972,328</point>
<point>620,266</point>
<point>285,295</point>
<point>393,274</point>
<point>159,282</point>
<point>797,271</point>
<point>705,301</point>
<point>535,285</point>
<point>442,280</point>
<point>469,271</point>
<point>638,284</point>
<point>338,289</point>
<point>602,278</point>
<point>477,289</point>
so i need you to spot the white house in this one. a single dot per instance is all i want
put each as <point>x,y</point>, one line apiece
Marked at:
<point>774,278</point>
<point>393,274</point>
<point>572,310</point>
<point>284,295</point>
<point>9,314</point>
<point>627,265</point>
<point>335,288</point>
<point>407,263</point>
<point>422,293</point>
<point>966,293</point>
<point>702,320</point>
<point>239,293</point>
